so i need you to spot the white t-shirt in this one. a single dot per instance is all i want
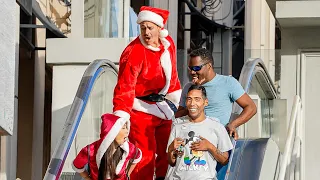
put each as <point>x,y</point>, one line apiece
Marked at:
<point>199,165</point>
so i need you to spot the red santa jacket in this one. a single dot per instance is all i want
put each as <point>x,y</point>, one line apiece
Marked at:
<point>82,159</point>
<point>145,70</point>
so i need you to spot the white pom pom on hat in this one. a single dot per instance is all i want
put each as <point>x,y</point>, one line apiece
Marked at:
<point>163,33</point>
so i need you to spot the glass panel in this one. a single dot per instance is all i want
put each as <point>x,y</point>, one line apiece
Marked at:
<point>99,102</point>
<point>134,28</point>
<point>256,89</point>
<point>101,18</point>
<point>104,19</point>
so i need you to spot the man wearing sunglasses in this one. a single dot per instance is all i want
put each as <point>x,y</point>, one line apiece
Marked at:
<point>222,92</point>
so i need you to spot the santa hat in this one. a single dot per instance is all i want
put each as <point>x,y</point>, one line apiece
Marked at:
<point>155,15</point>
<point>110,127</point>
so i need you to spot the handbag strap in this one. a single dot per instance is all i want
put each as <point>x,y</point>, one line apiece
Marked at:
<point>130,163</point>
<point>88,149</point>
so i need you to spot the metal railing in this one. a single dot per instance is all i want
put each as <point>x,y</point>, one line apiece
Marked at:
<point>290,167</point>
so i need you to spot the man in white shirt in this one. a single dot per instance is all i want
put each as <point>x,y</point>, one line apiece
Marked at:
<point>196,145</point>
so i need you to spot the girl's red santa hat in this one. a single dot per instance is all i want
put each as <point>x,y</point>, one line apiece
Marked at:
<point>155,15</point>
<point>110,127</point>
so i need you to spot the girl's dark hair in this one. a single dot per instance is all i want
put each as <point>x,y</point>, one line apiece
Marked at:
<point>110,161</point>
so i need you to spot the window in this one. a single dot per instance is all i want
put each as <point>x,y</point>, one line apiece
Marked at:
<point>106,19</point>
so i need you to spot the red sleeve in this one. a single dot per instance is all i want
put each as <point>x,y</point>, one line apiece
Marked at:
<point>80,161</point>
<point>138,157</point>
<point>129,69</point>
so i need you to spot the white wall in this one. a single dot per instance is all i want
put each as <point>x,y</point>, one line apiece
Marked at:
<point>293,40</point>
<point>310,64</point>
<point>260,33</point>
<point>296,41</point>
<point>298,13</point>
<point>12,140</point>
<point>7,61</point>
<point>83,50</point>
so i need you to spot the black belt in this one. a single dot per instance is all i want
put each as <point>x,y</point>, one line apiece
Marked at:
<point>159,98</point>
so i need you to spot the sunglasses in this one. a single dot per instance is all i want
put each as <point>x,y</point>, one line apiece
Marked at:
<point>196,68</point>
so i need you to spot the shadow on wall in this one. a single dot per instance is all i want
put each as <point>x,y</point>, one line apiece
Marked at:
<point>59,118</point>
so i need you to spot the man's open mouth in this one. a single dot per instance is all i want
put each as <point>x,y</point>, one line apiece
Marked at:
<point>147,38</point>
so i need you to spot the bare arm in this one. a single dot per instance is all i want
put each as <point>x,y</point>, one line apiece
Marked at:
<point>221,157</point>
<point>85,175</point>
<point>205,145</point>
<point>182,111</point>
<point>249,110</point>
<point>131,169</point>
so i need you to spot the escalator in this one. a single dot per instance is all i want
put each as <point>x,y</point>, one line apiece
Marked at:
<point>94,98</point>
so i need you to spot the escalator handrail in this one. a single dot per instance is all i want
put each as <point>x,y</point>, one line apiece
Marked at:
<point>74,117</point>
<point>249,70</point>
<point>250,66</point>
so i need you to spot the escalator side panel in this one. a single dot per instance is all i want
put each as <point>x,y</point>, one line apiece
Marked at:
<point>247,159</point>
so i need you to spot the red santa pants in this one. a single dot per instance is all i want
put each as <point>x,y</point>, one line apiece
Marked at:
<point>150,134</point>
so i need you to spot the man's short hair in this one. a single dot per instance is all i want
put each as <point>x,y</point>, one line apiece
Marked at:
<point>204,54</point>
<point>200,88</point>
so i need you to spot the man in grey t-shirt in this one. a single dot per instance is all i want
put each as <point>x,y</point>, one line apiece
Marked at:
<point>195,145</point>
<point>222,91</point>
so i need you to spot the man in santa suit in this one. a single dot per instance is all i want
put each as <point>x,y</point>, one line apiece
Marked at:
<point>148,91</point>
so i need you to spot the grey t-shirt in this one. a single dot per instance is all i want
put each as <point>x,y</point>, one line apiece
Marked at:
<point>199,165</point>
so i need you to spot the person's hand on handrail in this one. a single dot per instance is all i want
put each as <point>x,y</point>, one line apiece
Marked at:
<point>232,131</point>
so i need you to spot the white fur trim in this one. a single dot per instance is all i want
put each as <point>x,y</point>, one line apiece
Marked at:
<point>163,33</point>
<point>148,46</point>
<point>150,16</point>
<point>109,138</point>
<point>77,169</point>
<point>122,114</point>
<point>147,108</point>
<point>165,43</point>
<point>165,61</point>
<point>165,108</point>
<point>160,109</point>
<point>125,154</point>
<point>174,97</point>
<point>138,159</point>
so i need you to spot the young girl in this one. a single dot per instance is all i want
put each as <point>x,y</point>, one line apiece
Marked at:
<point>110,156</point>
